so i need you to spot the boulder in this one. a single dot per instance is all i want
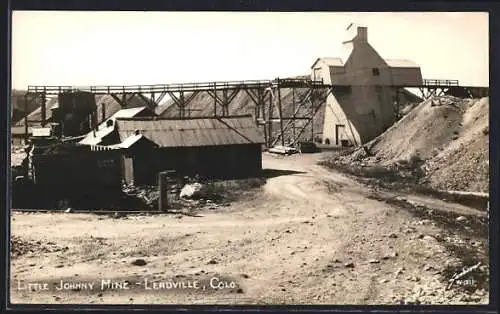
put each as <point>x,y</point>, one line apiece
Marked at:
<point>191,190</point>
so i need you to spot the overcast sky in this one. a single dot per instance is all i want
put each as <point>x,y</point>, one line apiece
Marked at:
<point>116,48</point>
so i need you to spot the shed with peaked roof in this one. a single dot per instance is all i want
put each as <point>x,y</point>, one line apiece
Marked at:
<point>228,147</point>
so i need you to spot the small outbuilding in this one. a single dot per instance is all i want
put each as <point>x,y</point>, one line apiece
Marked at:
<point>226,147</point>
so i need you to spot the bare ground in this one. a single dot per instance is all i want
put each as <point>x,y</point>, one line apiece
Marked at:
<point>310,236</point>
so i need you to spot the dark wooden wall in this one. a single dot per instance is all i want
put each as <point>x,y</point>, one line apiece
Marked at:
<point>232,161</point>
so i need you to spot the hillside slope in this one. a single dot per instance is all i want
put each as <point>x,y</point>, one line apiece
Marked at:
<point>465,161</point>
<point>446,137</point>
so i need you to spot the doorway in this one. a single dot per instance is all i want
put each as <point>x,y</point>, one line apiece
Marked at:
<point>339,134</point>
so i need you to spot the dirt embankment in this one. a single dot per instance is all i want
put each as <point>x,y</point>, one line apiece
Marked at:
<point>443,144</point>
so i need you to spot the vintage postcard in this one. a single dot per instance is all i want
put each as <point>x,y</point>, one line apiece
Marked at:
<point>249,158</point>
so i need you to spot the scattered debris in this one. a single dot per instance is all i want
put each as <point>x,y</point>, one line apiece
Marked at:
<point>428,268</point>
<point>19,246</point>
<point>389,256</point>
<point>283,150</point>
<point>307,147</point>
<point>399,271</point>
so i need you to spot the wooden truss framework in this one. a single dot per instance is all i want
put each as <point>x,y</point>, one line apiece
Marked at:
<point>428,92</point>
<point>265,96</point>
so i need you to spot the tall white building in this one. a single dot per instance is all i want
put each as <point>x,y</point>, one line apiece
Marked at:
<point>362,103</point>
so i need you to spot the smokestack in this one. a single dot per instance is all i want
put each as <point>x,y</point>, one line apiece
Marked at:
<point>363,34</point>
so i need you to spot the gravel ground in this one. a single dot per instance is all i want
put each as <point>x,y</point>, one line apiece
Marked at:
<point>308,236</point>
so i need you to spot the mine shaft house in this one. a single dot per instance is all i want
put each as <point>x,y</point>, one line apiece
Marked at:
<point>229,147</point>
<point>365,90</point>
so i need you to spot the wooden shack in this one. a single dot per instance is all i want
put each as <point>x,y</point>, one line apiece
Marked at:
<point>228,147</point>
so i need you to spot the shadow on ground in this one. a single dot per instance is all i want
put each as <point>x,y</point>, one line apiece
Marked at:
<point>272,173</point>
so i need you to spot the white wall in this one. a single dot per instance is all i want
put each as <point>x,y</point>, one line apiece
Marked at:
<point>368,109</point>
<point>334,115</point>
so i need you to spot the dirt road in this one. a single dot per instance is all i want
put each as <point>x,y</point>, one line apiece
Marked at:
<point>312,236</point>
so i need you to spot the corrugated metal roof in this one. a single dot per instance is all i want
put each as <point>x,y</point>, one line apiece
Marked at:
<point>193,132</point>
<point>401,63</point>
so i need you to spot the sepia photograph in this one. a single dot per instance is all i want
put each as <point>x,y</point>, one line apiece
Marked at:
<point>249,158</point>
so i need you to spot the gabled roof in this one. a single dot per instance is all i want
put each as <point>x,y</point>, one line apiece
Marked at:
<point>131,140</point>
<point>94,139</point>
<point>401,63</point>
<point>329,61</point>
<point>193,132</point>
<point>104,130</point>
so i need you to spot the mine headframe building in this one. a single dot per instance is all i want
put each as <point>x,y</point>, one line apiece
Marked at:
<point>369,90</point>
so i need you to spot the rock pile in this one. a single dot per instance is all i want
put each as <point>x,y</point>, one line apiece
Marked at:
<point>19,247</point>
<point>192,196</point>
<point>148,195</point>
<point>446,139</point>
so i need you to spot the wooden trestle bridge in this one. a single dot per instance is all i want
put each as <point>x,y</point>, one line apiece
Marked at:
<point>264,94</point>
